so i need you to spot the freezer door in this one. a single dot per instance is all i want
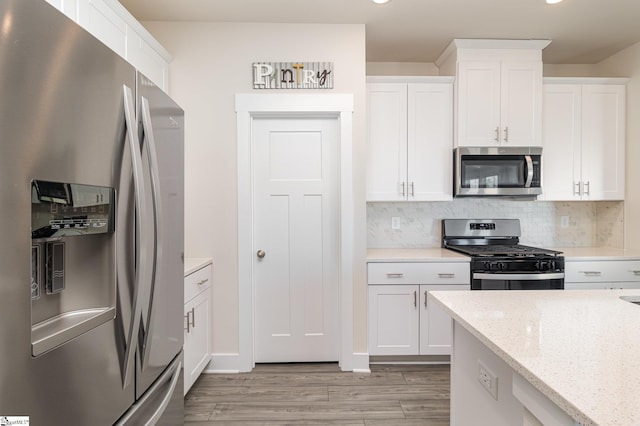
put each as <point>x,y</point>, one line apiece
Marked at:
<point>62,120</point>
<point>161,130</point>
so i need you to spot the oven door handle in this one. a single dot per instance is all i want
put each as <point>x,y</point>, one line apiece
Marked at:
<point>521,277</point>
<point>529,161</point>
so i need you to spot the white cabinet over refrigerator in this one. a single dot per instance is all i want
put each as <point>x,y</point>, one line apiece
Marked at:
<point>409,138</point>
<point>498,91</point>
<point>583,139</point>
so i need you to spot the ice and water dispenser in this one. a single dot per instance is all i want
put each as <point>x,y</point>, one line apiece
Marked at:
<point>73,261</point>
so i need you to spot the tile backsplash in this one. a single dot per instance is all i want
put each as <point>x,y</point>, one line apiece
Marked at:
<point>587,223</point>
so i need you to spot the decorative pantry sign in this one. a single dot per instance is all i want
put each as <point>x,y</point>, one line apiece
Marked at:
<point>293,75</point>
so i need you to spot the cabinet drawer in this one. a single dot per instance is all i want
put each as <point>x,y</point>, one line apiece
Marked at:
<point>196,282</point>
<point>602,271</point>
<point>418,273</point>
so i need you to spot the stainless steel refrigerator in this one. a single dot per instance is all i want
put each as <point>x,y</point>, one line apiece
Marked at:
<point>91,254</point>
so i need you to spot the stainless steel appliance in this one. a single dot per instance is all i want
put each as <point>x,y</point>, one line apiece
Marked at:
<point>497,171</point>
<point>498,261</point>
<point>91,286</point>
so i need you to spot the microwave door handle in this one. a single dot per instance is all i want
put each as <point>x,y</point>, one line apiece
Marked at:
<point>529,161</point>
<point>520,277</point>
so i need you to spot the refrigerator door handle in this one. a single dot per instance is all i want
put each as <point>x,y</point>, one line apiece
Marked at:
<point>150,149</point>
<point>141,273</point>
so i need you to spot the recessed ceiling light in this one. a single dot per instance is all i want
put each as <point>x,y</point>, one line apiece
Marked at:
<point>381,1</point>
<point>553,1</point>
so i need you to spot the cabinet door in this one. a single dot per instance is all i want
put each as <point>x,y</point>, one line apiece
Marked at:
<point>197,346</point>
<point>103,23</point>
<point>521,103</point>
<point>603,139</point>
<point>561,130</point>
<point>386,142</point>
<point>430,142</point>
<point>149,62</point>
<point>393,319</point>
<point>478,110</point>
<point>436,334</point>
<point>68,7</point>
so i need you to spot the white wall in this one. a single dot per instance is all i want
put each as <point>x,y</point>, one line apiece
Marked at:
<point>626,63</point>
<point>402,68</point>
<point>212,63</point>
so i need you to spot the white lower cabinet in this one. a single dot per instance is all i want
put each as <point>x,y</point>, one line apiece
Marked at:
<point>402,321</point>
<point>603,274</point>
<point>197,324</point>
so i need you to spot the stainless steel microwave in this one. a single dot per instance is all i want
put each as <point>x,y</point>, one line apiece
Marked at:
<point>497,171</point>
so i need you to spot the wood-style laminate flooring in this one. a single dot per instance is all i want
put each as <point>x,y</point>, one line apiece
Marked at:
<point>320,394</point>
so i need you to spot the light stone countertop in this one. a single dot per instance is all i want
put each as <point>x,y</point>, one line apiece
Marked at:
<point>580,348</point>
<point>192,264</point>
<point>432,254</point>
<point>597,253</point>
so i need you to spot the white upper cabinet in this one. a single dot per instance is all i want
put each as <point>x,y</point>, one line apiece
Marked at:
<point>409,139</point>
<point>498,91</point>
<point>583,139</point>
<point>113,25</point>
<point>105,24</point>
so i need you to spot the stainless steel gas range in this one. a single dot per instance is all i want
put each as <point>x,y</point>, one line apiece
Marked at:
<point>498,260</point>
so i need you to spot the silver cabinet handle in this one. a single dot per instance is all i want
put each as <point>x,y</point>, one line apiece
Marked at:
<point>404,192</point>
<point>636,272</point>
<point>506,134</point>
<point>497,138</point>
<point>587,188</point>
<point>261,254</point>
<point>191,324</point>
<point>203,281</point>
<point>591,273</point>
<point>576,188</point>
<point>415,299</point>
<point>413,194</point>
<point>395,275</point>
<point>425,299</point>
<point>449,275</point>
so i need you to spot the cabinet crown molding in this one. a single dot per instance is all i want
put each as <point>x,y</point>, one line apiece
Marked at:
<point>489,44</point>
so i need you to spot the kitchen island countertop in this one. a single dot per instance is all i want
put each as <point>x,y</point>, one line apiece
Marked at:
<point>581,349</point>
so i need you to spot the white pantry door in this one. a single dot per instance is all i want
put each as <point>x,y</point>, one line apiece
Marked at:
<point>296,239</point>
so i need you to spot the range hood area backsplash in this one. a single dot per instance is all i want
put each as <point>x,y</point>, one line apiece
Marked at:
<point>589,224</point>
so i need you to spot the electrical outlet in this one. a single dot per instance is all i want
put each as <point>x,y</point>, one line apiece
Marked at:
<point>488,380</point>
<point>395,222</point>
<point>564,221</point>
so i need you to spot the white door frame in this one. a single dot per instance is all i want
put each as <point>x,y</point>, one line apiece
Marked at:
<point>249,106</point>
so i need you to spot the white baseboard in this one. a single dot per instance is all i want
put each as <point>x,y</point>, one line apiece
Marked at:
<point>223,363</point>
<point>232,362</point>
<point>361,363</point>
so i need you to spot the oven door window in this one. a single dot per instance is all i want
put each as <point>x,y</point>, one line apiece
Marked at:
<point>495,282</point>
<point>482,171</point>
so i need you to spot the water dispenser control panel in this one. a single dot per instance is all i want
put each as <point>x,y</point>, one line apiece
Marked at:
<point>67,209</point>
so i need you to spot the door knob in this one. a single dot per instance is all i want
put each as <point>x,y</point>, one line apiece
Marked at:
<point>260,253</point>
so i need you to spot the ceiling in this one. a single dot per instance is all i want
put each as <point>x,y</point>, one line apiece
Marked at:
<point>582,31</point>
